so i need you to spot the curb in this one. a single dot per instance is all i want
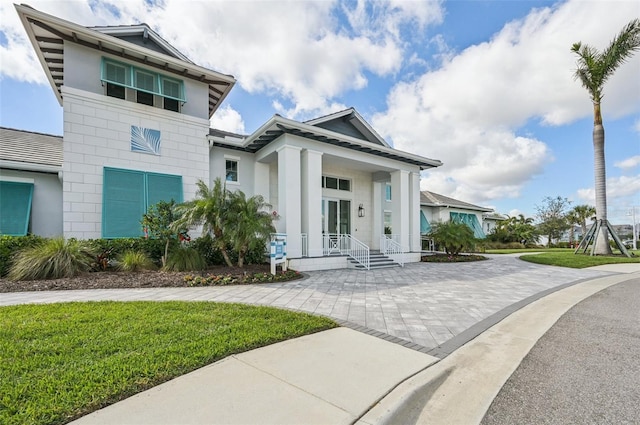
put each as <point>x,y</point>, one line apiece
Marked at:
<point>472,375</point>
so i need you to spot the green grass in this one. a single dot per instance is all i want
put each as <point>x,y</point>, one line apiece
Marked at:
<point>517,251</point>
<point>61,361</point>
<point>577,261</point>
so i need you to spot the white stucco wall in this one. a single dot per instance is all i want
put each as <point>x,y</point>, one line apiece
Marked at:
<point>97,134</point>
<point>246,169</point>
<point>83,69</point>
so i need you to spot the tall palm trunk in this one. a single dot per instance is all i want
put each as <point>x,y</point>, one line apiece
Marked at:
<point>602,246</point>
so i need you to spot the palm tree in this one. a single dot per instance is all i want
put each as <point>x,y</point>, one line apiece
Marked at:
<point>594,69</point>
<point>211,209</point>
<point>252,224</point>
<point>583,213</point>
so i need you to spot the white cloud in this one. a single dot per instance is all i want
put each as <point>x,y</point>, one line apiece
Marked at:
<point>228,119</point>
<point>628,163</point>
<point>617,188</point>
<point>467,112</point>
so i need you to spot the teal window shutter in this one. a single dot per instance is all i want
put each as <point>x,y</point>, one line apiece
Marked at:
<point>470,220</point>
<point>163,187</point>
<point>15,207</point>
<point>123,203</point>
<point>425,227</point>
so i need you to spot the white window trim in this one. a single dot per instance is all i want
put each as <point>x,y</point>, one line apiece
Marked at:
<point>237,160</point>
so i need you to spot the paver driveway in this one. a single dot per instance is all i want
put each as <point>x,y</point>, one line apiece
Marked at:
<point>425,303</point>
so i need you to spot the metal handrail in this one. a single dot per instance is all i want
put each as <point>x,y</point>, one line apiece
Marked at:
<point>392,249</point>
<point>346,245</point>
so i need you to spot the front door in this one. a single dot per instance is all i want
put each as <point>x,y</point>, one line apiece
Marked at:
<point>336,216</point>
<point>336,221</point>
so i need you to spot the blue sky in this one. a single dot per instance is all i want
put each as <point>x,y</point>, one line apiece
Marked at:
<point>484,86</point>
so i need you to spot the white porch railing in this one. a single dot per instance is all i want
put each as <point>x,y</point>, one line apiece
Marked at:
<point>390,247</point>
<point>346,245</point>
<point>304,245</point>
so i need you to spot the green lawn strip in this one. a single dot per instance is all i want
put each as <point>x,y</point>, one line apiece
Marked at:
<point>61,361</point>
<point>577,261</point>
<point>517,251</point>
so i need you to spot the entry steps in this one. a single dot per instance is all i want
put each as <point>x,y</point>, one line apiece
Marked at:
<point>377,260</point>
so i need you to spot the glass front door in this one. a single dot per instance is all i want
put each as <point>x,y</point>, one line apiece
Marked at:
<point>336,216</point>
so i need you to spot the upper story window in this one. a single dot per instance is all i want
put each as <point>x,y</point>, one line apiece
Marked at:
<point>231,174</point>
<point>387,192</point>
<point>336,183</point>
<point>142,86</point>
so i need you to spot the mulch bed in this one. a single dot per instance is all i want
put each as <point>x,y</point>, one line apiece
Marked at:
<point>446,258</point>
<point>115,280</point>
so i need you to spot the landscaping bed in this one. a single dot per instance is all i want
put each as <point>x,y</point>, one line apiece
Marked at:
<point>221,275</point>
<point>446,258</point>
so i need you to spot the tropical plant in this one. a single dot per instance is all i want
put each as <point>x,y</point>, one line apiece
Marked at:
<point>252,224</point>
<point>157,223</point>
<point>553,217</point>
<point>594,68</point>
<point>52,259</point>
<point>9,245</point>
<point>133,261</point>
<point>211,210</point>
<point>185,259</point>
<point>580,214</point>
<point>518,229</point>
<point>454,237</point>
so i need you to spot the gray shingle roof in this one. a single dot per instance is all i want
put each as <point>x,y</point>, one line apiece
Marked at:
<point>29,147</point>
<point>435,199</point>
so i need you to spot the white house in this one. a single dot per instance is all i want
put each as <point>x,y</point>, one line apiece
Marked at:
<point>136,131</point>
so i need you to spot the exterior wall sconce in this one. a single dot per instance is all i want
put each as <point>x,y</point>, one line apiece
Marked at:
<point>360,211</point>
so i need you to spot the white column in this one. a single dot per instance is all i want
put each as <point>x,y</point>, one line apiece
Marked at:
<point>377,215</point>
<point>400,206</point>
<point>311,164</point>
<point>289,201</point>
<point>261,181</point>
<point>414,211</point>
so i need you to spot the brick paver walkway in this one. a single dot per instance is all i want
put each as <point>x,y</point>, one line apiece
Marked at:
<point>425,303</point>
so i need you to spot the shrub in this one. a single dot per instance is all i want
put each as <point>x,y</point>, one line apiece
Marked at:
<point>10,245</point>
<point>453,237</point>
<point>184,259</point>
<point>52,259</point>
<point>133,261</point>
<point>113,248</point>
<point>213,257</point>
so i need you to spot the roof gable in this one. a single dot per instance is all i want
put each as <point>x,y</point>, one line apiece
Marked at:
<point>49,34</point>
<point>350,123</point>
<point>142,35</point>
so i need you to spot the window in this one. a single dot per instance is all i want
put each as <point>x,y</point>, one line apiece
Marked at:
<point>127,195</point>
<point>387,192</point>
<point>425,226</point>
<point>15,207</point>
<point>336,183</point>
<point>147,84</point>
<point>231,167</point>
<point>387,223</point>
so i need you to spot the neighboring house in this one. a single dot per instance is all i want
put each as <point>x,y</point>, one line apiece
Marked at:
<point>436,208</point>
<point>136,131</point>
<point>490,221</point>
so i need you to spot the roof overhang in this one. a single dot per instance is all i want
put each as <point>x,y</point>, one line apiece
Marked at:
<point>48,34</point>
<point>277,126</point>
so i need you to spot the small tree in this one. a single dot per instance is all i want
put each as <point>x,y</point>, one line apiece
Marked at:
<point>211,209</point>
<point>553,217</point>
<point>252,223</point>
<point>453,237</point>
<point>157,223</point>
<point>583,213</point>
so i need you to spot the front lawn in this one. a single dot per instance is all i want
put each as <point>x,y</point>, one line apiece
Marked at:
<point>61,361</point>
<point>577,261</point>
<point>517,251</point>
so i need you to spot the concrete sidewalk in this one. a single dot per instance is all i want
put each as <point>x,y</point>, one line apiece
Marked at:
<point>332,377</point>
